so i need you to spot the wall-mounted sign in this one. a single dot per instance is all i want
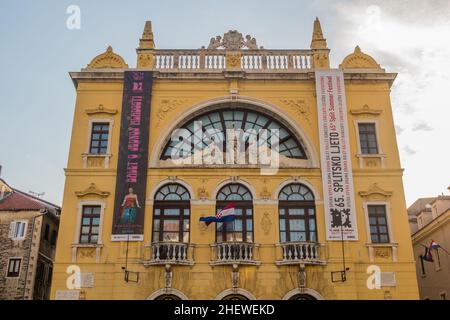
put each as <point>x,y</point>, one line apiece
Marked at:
<point>131,181</point>
<point>337,177</point>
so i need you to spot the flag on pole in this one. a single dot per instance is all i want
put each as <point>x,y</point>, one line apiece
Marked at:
<point>427,256</point>
<point>224,215</point>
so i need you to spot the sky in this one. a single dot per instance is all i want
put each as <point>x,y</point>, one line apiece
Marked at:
<point>37,96</point>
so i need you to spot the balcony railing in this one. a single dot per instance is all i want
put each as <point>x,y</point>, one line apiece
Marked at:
<point>250,60</point>
<point>300,252</point>
<point>235,253</point>
<point>170,253</point>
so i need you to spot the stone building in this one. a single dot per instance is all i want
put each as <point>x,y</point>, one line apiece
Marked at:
<point>311,171</point>
<point>430,221</point>
<point>28,234</point>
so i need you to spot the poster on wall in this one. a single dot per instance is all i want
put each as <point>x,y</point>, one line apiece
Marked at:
<point>337,177</point>
<point>131,180</point>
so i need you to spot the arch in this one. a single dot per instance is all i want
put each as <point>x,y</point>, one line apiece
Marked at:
<point>258,105</point>
<point>295,192</point>
<point>300,181</point>
<point>167,291</point>
<point>160,184</point>
<point>306,291</point>
<point>238,181</point>
<point>173,192</point>
<point>235,291</point>
<point>233,190</point>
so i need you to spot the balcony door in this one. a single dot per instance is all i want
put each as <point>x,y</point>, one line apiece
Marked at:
<point>241,229</point>
<point>297,214</point>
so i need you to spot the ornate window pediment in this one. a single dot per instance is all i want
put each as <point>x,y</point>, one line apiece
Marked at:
<point>92,190</point>
<point>366,110</point>
<point>375,192</point>
<point>101,110</point>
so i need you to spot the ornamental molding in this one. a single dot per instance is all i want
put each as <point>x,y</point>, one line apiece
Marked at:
<point>359,60</point>
<point>92,190</point>
<point>166,106</point>
<point>266,223</point>
<point>101,110</point>
<point>366,110</point>
<point>300,107</point>
<point>375,190</point>
<point>233,40</point>
<point>106,60</point>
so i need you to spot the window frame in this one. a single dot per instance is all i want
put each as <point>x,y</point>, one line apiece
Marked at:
<point>8,275</point>
<point>79,222</point>
<point>92,122</point>
<point>25,229</point>
<point>377,137</point>
<point>90,216</point>
<point>162,205</point>
<point>388,222</point>
<point>296,204</point>
<point>244,205</point>
<point>291,135</point>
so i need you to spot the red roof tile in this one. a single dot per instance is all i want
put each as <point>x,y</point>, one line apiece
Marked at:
<point>19,201</point>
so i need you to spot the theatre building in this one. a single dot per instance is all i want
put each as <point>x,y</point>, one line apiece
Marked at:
<point>292,162</point>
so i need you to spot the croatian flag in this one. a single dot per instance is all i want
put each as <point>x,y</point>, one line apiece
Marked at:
<point>224,215</point>
<point>434,245</point>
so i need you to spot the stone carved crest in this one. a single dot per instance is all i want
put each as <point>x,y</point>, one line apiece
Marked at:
<point>235,276</point>
<point>233,40</point>
<point>366,110</point>
<point>101,110</point>
<point>375,192</point>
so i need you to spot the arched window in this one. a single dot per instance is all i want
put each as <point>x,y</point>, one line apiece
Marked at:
<point>236,118</point>
<point>241,229</point>
<point>297,214</point>
<point>171,214</point>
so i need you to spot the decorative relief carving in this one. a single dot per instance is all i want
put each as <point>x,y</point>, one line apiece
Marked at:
<point>101,110</point>
<point>107,60</point>
<point>359,60</point>
<point>95,162</point>
<point>372,163</point>
<point>321,61</point>
<point>145,60</point>
<point>383,253</point>
<point>168,276</point>
<point>235,276</point>
<point>366,110</point>
<point>300,108</point>
<point>202,193</point>
<point>233,40</point>
<point>266,223</point>
<point>302,278</point>
<point>166,106</point>
<point>92,190</point>
<point>233,60</point>
<point>86,252</point>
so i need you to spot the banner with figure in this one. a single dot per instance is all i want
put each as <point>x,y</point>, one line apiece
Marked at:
<point>337,177</point>
<point>131,180</point>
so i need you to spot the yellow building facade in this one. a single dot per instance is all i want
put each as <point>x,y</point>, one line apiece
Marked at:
<point>277,247</point>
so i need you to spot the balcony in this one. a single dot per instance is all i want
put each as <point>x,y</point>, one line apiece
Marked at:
<point>300,253</point>
<point>229,253</point>
<point>174,253</point>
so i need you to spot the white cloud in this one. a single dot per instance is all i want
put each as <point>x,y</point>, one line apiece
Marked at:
<point>411,38</point>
